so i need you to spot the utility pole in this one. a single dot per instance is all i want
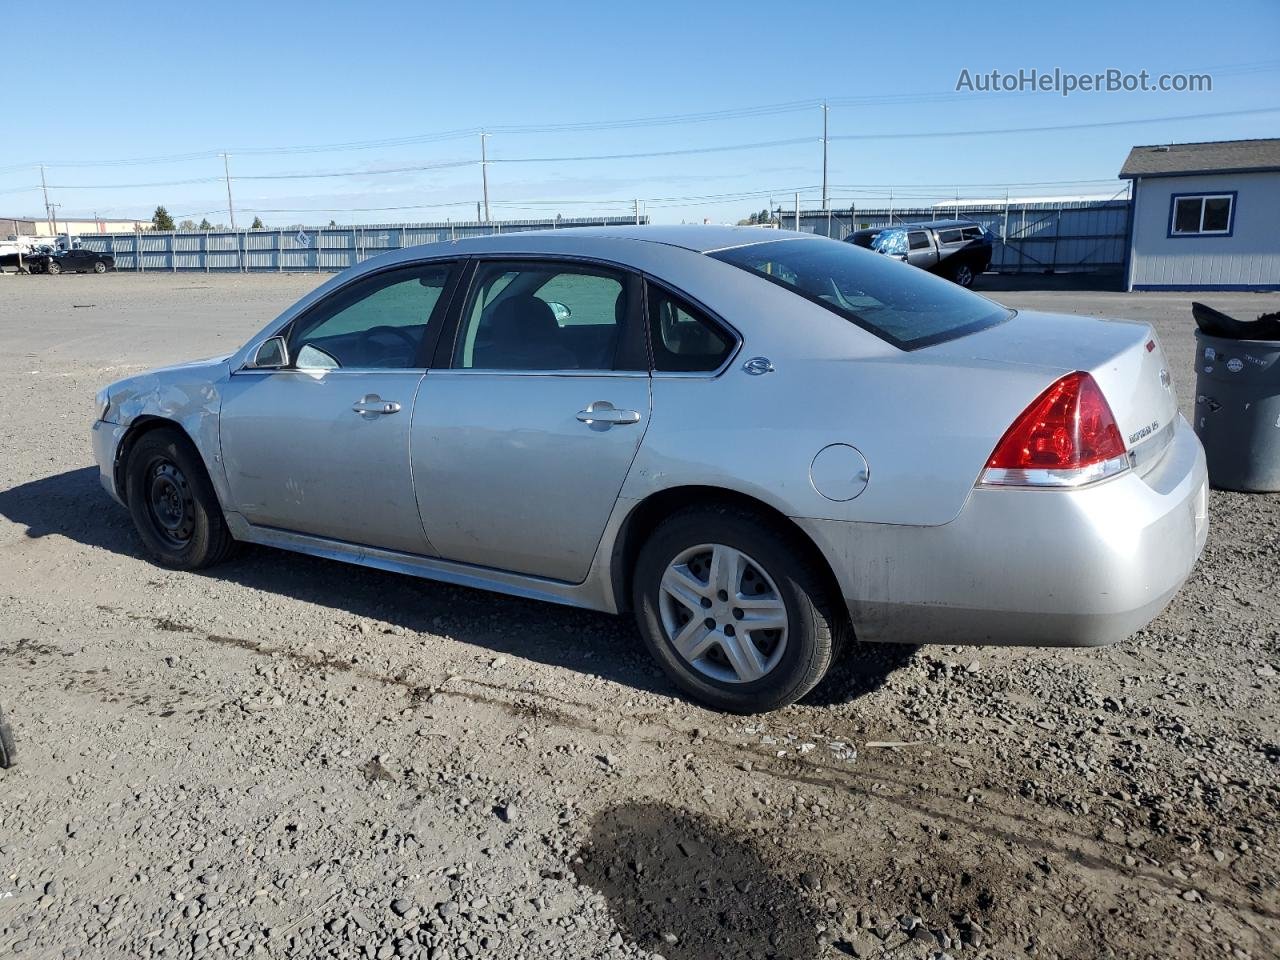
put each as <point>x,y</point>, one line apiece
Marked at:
<point>226,172</point>
<point>825,198</point>
<point>636,204</point>
<point>53,213</point>
<point>48,220</point>
<point>797,212</point>
<point>484,174</point>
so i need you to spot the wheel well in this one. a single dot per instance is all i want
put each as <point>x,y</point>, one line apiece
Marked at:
<point>658,506</point>
<point>137,430</point>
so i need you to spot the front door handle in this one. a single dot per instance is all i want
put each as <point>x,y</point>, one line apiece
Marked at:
<point>371,406</point>
<point>605,413</point>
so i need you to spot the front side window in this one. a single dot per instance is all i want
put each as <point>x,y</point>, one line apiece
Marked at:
<point>919,240</point>
<point>375,323</point>
<point>1202,215</point>
<point>909,308</point>
<point>541,316</point>
<point>682,338</point>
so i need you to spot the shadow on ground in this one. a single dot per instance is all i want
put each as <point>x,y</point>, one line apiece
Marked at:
<point>686,887</point>
<point>73,505</point>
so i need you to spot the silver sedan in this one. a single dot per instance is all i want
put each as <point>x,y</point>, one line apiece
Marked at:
<point>763,443</point>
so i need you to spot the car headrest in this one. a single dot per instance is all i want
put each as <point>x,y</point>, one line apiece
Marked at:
<point>523,318</point>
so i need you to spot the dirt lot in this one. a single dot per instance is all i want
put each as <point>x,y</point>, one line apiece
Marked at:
<point>291,757</point>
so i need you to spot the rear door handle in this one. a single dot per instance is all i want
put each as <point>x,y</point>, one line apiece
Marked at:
<point>372,406</point>
<point>604,412</point>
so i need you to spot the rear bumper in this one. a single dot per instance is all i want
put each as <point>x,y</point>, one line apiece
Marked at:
<point>106,441</point>
<point>1084,567</point>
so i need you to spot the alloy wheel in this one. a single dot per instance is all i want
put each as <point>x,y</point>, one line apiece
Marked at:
<point>723,613</point>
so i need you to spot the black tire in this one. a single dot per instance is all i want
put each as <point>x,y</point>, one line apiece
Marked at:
<point>8,752</point>
<point>173,504</point>
<point>814,626</point>
<point>963,274</point>
<point>99,266</point>
<point>53,268</point>
<point>33,268</point>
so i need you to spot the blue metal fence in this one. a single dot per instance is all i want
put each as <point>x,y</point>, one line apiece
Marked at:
<point>299,249</point>
<point>1032,237</point>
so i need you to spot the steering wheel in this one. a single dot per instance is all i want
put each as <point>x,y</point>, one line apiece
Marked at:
<point>397,331</point>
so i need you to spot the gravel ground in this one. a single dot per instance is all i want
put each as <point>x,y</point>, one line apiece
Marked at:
<point>290,757</point>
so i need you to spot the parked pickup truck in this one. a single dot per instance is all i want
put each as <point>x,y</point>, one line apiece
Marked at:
<point>956,249</point>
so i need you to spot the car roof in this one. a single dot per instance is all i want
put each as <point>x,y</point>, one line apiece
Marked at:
<point>699,238</point>
<point>937,224</point>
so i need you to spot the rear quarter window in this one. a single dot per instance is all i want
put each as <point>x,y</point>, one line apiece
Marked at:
<point>908,307</point>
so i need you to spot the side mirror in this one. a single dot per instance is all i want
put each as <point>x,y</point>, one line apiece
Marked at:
<point>272,354</point>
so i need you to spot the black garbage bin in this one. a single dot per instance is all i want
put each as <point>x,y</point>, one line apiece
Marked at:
<point>1237,415</point>
<point>8,755</point>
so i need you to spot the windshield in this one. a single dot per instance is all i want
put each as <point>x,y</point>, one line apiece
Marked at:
<point>891,242</point>
<point>898,303</point>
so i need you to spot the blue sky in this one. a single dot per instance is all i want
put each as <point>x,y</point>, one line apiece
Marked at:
<point>189,80</point>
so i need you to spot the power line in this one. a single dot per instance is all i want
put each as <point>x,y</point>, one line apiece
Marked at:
<point>1094,125</point>
<point>732,113</point>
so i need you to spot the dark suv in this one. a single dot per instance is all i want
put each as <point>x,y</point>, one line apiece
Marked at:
<point>956,249</point>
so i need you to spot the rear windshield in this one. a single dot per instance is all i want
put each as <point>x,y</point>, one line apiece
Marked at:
<point>898,303</point>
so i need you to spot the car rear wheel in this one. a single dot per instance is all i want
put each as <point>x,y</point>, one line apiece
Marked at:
<point>173,504</point>
<point>963,274</point>
<point>99,266</point>
<point>53,267</point>
<point>733,609</point>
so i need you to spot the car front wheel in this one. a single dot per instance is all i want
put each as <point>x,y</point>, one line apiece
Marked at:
<point>734,610</point>
<point>99,266</point>
<point>53,268</point>
<point>173,504</point>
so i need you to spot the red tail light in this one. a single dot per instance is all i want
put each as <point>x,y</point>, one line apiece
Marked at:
<point>1068,436</point>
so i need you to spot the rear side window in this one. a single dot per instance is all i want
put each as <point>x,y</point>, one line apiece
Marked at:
<point>541,316</point>
<point>683,339</point>
<point>972,233</point>
<point>908,307</point>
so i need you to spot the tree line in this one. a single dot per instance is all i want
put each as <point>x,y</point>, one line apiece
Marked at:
<point>163,220</point>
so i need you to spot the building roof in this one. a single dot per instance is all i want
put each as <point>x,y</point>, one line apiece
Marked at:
<point>1187,159</point>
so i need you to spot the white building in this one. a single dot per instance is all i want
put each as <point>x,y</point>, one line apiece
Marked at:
<point>1206,216</point>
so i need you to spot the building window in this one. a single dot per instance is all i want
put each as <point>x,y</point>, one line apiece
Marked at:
<point>1202,214</point>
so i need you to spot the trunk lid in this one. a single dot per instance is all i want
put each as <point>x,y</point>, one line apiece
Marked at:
<point>1123,356</point>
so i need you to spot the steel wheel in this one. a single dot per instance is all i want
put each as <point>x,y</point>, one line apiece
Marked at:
<point>170,504</point>
<point>723,613</point>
